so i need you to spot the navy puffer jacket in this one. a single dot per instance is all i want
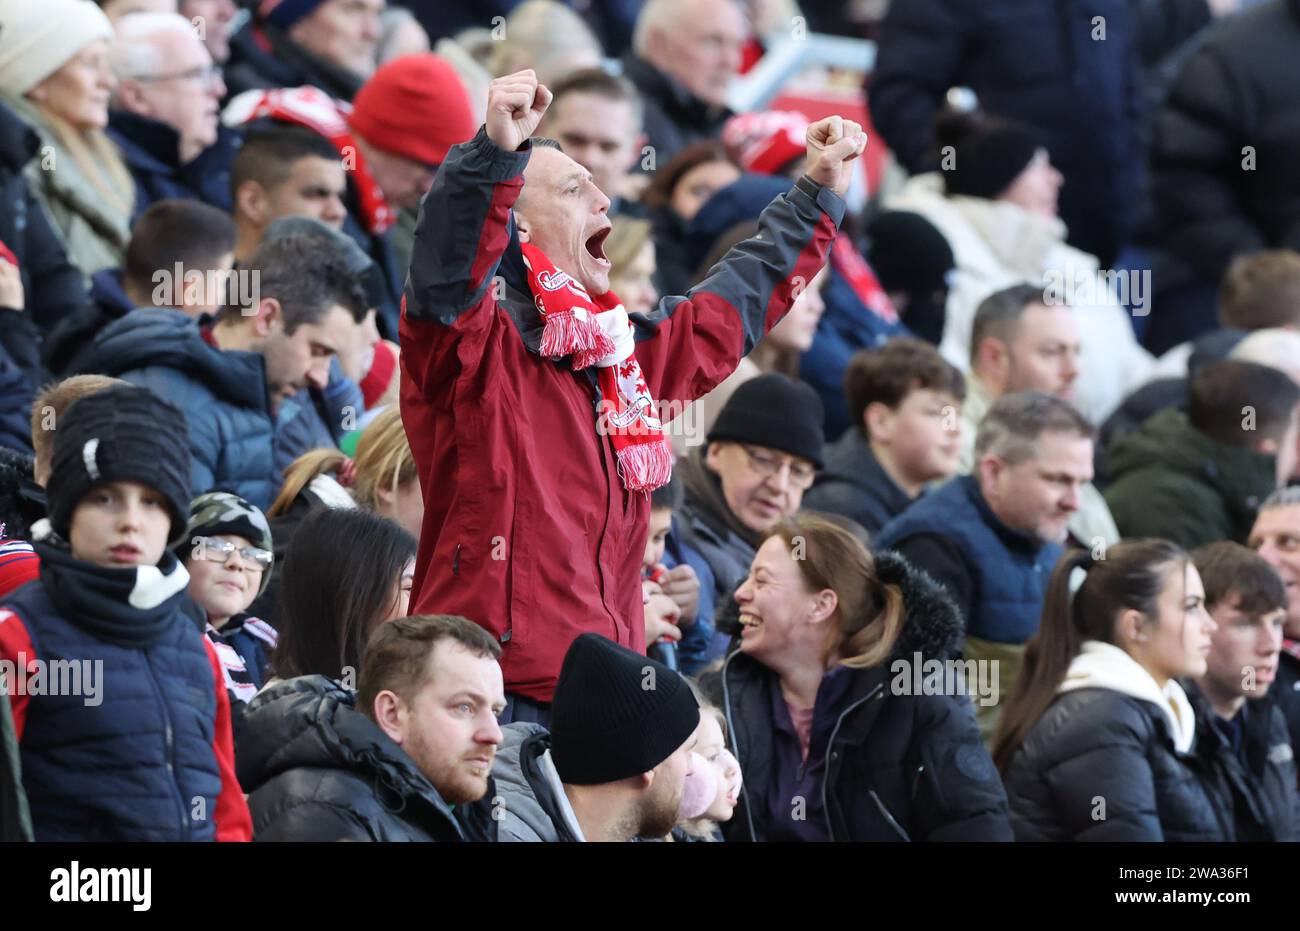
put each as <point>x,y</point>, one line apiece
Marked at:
<point>222,394</point>
<point>1100,765</point>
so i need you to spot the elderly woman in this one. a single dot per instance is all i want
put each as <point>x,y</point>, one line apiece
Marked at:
<point>54,72</point>
<point>833,738</point>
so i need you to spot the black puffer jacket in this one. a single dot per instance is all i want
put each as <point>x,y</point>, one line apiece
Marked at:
<point>316,769</point>
<point>900,767</point>
<point>1236,99</point>
<point>1101,765</point>
<point>1259,785</point>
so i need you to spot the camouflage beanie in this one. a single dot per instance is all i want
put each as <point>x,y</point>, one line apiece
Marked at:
<point>220,512</point>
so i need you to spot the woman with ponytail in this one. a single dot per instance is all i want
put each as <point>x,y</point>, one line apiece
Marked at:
<point>820,705</point>
<point>1094,742</point>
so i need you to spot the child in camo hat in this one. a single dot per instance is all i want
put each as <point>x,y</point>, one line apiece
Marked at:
<point>228,551</point>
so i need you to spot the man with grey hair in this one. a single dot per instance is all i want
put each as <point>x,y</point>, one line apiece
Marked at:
<point>1276,537</point>
<point>165,111</point>
<point>992,538</point>
<point>685,54</point>
<point>1019,343</point>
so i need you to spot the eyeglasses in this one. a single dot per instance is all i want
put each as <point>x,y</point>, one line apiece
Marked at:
<point>204,74</point>
<point>214,549</point>
<point>767,465</point>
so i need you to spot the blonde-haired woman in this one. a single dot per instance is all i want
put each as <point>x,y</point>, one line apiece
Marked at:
<point>840,725</point>
<point>381,479</point>
<point>54,72</point>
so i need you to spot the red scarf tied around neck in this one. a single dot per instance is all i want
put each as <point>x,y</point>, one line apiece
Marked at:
<point>596,331</point>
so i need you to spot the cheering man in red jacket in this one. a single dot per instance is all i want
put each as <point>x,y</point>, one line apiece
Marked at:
<point>533,401</point>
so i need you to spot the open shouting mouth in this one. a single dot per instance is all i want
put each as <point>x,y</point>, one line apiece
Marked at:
<point>596,246</point>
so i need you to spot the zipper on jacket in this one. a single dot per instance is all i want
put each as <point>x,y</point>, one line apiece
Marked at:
<point>888,817</point>
<point>455,561</point>
<point>735,745</point>
<point>916,780</point>
<point>832,754</point>
<point>169,745</point>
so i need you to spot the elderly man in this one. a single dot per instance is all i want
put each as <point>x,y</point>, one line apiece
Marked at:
<point>992,538</point>
<point>165,112</point>
<point>328,44</point>
<point>529,395</point>
<point>1018,343</point>
<point>685,54</point>
<point>763,453</point>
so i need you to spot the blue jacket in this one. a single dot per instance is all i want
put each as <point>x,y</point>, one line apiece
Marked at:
<point>694,650</point>
<point>222,394</point>
<point>151,151</point>
<point>74,334</point>
<point>855,485</point>
<point>139,764</point>
<point>312,419</point>
<point>1005,572</point>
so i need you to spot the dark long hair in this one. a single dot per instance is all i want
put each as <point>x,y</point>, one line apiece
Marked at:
<point>1131,576</point>
<point>341,575</point>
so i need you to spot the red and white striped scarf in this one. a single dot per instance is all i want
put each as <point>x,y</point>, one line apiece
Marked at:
<point>596,331</point>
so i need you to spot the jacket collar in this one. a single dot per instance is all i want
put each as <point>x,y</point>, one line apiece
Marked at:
<point>1014,539</point>
<point>851,459</point>
<point>146,144</point>
<point>670,94</point>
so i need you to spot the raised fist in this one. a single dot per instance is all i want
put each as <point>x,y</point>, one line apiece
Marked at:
<point>516,103</point>
<point>832,144</point>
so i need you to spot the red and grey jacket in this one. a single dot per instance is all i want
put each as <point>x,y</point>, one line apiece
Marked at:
<point>528,529</point>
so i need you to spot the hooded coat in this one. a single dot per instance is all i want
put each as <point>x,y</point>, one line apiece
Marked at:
<point>223,395</point>
<point>898,766</point>
<point>1167,479</point>
<point>316,769</point>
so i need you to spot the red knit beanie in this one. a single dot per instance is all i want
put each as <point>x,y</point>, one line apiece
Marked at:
<point>414,106</point>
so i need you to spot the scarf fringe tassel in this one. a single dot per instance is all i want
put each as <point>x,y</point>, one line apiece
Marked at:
<point>565,333</point>
<point>645,466</point>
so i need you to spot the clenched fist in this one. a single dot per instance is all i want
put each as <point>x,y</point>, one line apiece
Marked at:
<point>832,144</point>
<point>516,103</point>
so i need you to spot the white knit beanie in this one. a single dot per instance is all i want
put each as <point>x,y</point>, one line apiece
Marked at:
<point>37,37</point>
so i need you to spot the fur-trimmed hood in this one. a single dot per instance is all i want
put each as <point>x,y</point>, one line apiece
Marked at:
<point>933,627</point>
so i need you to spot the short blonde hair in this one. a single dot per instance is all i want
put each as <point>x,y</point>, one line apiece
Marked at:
<point>54,399</point>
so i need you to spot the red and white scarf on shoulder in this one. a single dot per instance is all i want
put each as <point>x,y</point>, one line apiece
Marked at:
<point>595,330</point>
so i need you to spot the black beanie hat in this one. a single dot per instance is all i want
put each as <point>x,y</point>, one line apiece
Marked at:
<point>120,434</point>
<point>616,713</point>
<point>908,253</point>
<point>989,158</point>
<point>775,412</point>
